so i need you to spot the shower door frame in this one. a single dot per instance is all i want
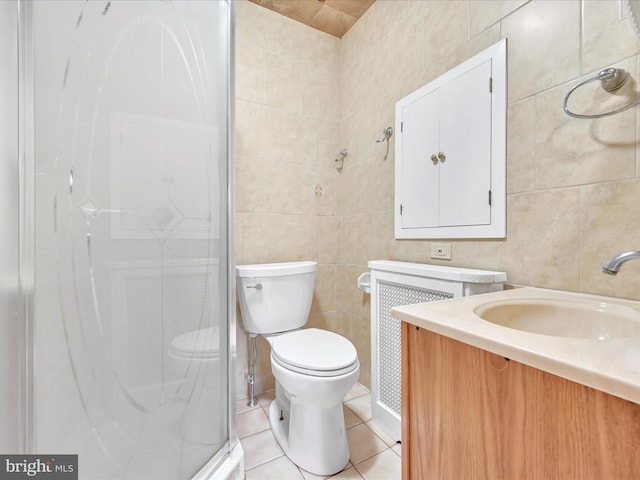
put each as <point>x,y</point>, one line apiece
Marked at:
<point>16,419</point>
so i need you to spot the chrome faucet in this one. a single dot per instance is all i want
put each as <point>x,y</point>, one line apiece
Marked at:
<point>612,266</point>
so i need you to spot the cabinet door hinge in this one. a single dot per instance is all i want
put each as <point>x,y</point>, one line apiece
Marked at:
<point>400,209</point>
<point>490,84</point>
<point>489,197</point>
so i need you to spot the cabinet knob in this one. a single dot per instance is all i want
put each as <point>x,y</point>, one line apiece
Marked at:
<point>434,159</point>
<point>441,156</point>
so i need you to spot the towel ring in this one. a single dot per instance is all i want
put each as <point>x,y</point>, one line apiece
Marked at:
<point>611,79</point>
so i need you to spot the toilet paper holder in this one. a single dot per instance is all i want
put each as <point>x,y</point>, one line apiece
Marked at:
<point>364,282</point>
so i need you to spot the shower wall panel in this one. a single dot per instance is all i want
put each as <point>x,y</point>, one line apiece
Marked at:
<point>131,168</point>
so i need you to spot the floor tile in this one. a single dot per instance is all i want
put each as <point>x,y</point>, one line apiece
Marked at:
<point>311,476</point>
<point>264,399</point>
<point>259,449</point>
<point>350,418</point>
<point>381,433</point>
<point>398,449</point>
<point>363,443</point>
<point>279,469</point>
<point>251,422</point>
<point>384,466</point>
<point>241,406</point>
<point>369,445</point>
<point>357,391</point>
<point>361,406</point>
<point>349,474</point>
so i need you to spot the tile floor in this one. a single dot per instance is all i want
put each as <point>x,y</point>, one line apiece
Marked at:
<point>374,456</point>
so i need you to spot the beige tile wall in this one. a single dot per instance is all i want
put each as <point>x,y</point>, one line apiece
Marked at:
<point>287,137</point>
<point>573,186</point>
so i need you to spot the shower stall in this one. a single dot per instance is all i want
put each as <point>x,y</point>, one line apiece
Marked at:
<point>117,289</point>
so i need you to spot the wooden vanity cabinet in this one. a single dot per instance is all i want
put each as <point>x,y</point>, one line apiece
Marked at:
<point>471,414</point>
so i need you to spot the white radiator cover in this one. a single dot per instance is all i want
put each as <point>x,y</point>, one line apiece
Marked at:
<point>401,283</point>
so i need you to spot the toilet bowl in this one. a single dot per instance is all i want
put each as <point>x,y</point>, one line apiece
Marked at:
<point>314,369</point>
<point>193,375</point>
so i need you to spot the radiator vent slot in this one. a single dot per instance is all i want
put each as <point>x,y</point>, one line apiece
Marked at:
<point>389,345</point>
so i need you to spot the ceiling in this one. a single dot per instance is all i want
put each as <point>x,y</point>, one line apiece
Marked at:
<point>334,17</point>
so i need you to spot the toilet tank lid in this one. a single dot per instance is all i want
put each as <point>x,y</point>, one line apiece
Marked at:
<point>276,269</point>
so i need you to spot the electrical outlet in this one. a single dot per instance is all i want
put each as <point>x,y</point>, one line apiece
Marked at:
<point>441,251</point>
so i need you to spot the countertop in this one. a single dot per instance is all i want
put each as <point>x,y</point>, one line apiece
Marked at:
<point>611,365</point>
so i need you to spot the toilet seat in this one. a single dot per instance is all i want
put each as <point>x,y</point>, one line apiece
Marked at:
<point>203,343</point>
<point>315,352</point>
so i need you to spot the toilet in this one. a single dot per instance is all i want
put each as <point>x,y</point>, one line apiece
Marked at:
<point>193,376</point>
<point>314,369</point>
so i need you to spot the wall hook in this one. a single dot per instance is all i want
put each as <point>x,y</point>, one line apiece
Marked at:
<point>387,132</point>
<point>340,161</point>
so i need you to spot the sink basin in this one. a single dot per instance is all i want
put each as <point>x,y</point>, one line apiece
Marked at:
<point>563,318</point>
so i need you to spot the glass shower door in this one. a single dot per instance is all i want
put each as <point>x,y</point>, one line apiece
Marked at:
<point>131,260</point>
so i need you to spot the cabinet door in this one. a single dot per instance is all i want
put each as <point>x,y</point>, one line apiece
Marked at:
<point>471,414</point>
<point>420,177</point>
<point>457,118</point>
<point>465,140</point>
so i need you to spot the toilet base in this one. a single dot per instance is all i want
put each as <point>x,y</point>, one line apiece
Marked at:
<point>313,438</point>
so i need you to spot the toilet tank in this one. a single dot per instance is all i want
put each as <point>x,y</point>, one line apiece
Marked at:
<point>275,297</point>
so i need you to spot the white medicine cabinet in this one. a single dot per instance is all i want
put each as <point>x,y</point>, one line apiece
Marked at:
<point>451,152</point>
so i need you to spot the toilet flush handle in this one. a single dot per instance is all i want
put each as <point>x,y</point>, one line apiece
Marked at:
<point>257,286</point>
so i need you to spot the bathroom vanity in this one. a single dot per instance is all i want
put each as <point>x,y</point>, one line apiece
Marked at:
<point>485,400</point>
